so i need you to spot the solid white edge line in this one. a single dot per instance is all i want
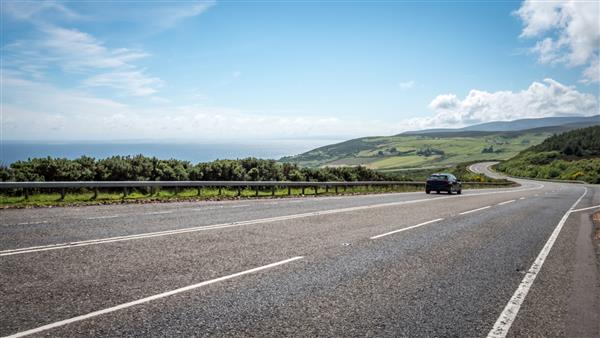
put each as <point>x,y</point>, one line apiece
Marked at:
<point>503,203</point>
<point>407,228</point>
<point>158,212</point>
<point>102,217</point>
<point>474,210</point>
<point>148,299</point>
<point>588,208</point>
<point>508,315</point>
<point>57,246</point>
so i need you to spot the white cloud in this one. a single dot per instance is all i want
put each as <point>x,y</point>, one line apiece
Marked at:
<point>131,82</point>
<point>45,98</point>
<point>34,10</point>
<point>35,110</point>
<point>592,73</point>
<point>407,84</point>
<point>569,30</point>
<point>80,53</point>
<point>76,50</point>
<point>168,16</point>
<point>157,16</point>
<point>541,99</point>
<point>53,48</point>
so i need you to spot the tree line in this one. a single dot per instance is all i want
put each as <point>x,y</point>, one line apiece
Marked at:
<point>575,143</point>
<point>142,168</point>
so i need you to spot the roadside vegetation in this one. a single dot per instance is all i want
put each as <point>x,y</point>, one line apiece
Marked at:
<point>574,155</point>
<point>86,196</point>
<point>141,168</point>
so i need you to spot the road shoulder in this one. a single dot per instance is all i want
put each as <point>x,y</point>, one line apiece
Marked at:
<point>564,301</point>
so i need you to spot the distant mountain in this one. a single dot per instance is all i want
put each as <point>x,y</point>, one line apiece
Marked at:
<point>516,125</point>
<point>441,147</point>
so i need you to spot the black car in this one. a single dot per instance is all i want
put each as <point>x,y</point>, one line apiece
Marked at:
<point>443,182</point>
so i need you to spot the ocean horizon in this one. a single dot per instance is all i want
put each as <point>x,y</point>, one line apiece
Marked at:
<point>195,152</point>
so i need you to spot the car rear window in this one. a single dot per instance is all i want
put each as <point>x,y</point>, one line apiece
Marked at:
<point>438,177</point>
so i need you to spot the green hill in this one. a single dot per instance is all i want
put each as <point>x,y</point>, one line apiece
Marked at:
<point>434,149</point>
<point>573,155</point>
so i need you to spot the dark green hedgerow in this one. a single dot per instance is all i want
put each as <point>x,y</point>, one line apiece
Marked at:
<point>142,168</point>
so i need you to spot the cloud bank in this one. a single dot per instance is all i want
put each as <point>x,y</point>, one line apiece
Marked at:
<point>42,111</point>
<point>542,99</point>
<point>569,33</point>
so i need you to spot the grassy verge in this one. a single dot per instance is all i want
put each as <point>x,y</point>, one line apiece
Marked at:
<point>549,165</point>
<point>83,197</point>
<point>167,195</point>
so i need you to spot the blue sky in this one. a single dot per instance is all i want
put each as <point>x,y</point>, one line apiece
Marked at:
<point>204,70</point>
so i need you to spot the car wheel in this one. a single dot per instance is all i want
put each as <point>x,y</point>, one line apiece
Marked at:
<point>459,192</point>
<point>449,191</point>
<point>437,191</point>
<point>427,191</point>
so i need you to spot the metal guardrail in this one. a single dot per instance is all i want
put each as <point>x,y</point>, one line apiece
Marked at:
<point>202,184</point>
<point>25,187</point>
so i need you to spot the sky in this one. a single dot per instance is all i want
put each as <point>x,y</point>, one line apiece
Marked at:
<point>247,70</point>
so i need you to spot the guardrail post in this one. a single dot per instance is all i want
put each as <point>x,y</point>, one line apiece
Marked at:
<point>239,191</point>
<point>326,189</point>
<point>273,190</point>
<point>256,191</point>
<point>345,187</point>
<point>303,190</point>
<point>220,188</point>
<point>26,193</point>
<point>62,194</point>
<point>95,194</point>
<point>199,192</point>
<point>176,191</point>
<point>336,189</point>
<point>289,190</point>
<point>125,192</point>
<point>316,190</point>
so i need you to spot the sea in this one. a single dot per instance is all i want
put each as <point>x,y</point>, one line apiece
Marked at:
<point>195,152</point>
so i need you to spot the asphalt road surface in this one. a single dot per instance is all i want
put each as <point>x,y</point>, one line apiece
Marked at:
<point>490,262</point>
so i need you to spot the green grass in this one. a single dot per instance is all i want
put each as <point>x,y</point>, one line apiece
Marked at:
<point>86,198</point>
<point>393,162</point>
<point>165,195</point>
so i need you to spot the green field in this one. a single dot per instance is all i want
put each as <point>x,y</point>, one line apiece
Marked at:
<point>416,151</point>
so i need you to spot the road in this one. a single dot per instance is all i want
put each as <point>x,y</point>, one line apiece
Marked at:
<point>515,261</point>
